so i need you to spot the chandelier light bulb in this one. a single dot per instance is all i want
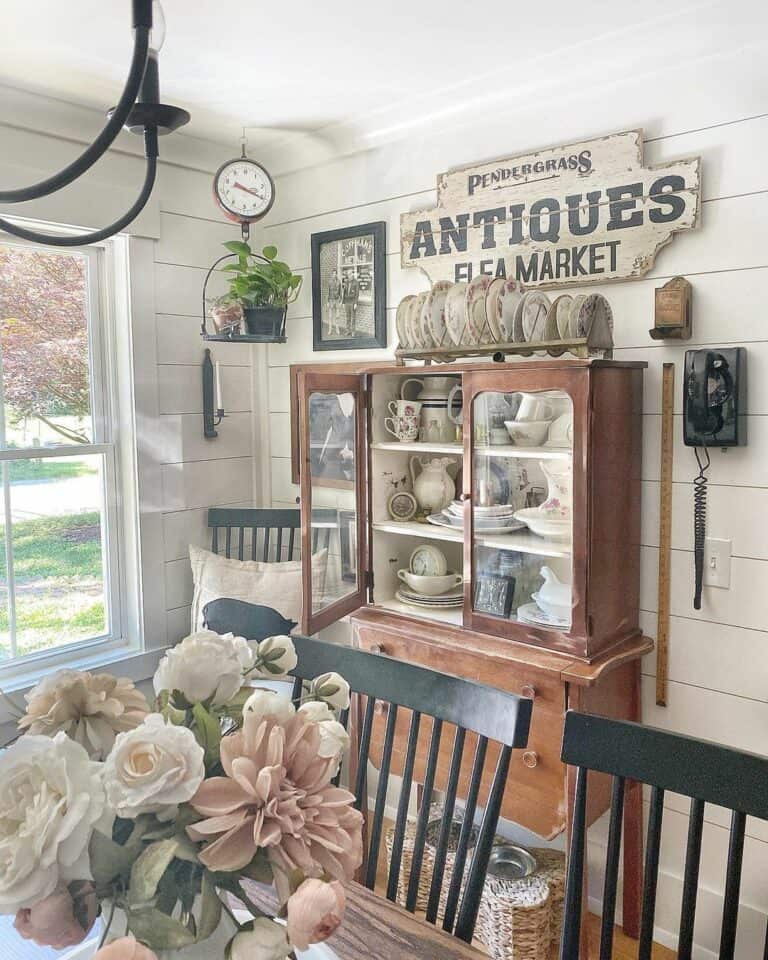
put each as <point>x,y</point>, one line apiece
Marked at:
<point>157,36</point>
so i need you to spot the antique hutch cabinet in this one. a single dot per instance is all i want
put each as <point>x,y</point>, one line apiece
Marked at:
<point>574,645</point>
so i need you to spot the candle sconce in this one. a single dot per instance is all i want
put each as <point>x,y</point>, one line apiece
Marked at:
<point>212,417</point>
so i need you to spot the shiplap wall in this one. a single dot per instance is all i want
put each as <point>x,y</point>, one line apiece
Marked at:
<point>718,655</point>
<point>186,235</point>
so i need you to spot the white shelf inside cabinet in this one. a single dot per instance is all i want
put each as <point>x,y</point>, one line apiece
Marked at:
<point>453,616</point>
<point>416,447</point>
<point>522,540</point>
<point>524,453</point>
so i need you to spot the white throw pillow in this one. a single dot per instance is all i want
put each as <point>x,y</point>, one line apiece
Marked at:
<point>276,585</point>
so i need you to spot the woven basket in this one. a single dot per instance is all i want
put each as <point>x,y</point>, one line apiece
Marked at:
<point>518,919</point>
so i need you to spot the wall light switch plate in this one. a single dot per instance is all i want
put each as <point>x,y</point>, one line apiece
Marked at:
<point>717,563</point>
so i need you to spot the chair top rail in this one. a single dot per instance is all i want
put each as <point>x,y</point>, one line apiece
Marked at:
<point>253,517</point>
<point>695,768</point>
<point>495,714</point>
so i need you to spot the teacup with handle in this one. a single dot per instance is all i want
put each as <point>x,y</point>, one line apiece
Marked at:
<point>404,408</point>
<point>405,428</point>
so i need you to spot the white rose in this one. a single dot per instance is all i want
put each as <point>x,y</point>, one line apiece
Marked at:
<point>332,688</point>
<point>267,703</point>
<point>334,739</point>
<point>275,657</point>
<point>153,769</point>
<point>51,795</point>
<point>205,666</point>
<point>265,940</point>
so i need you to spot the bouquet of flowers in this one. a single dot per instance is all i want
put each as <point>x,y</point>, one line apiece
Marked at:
<point>158,820</point>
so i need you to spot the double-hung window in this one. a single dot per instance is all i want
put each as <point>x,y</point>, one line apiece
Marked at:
<point>60,570</point>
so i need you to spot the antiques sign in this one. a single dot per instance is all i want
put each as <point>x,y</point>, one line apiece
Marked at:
<point>586,212</point>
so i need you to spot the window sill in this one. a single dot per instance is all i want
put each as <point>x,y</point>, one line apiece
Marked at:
<point>117,658</point>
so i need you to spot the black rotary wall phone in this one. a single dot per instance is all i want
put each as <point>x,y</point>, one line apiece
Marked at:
<point>714,408</point>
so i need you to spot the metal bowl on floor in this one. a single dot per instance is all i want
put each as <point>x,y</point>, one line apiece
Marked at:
<point>510,862</point>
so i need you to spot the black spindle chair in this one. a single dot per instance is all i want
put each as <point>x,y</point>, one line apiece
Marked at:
<point>467,706</point>
<point>703,771</point>
<point>265,533</point>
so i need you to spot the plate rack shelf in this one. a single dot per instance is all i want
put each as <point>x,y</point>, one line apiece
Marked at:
<point>590,347</point>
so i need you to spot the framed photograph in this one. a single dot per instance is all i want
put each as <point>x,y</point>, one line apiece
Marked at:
<point>332,440</point>
<point>348,544</point>
<point>349,288</point>
<point>494,595</point>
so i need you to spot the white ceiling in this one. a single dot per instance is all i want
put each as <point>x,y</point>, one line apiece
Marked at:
<point>342,71</point>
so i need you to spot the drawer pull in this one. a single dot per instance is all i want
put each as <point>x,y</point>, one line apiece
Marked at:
<point>529,691</point>
<point>531,759</point>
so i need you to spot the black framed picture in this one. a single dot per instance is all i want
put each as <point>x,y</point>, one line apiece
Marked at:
<point>494,595</point>
<point>349,288</point>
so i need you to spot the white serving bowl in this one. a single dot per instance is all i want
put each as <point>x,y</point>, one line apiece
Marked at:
<point>545,525</point>
<point>528,433</point>
<point>430,586</point>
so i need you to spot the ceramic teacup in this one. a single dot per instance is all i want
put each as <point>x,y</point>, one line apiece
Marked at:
<point>534,408</point>
<point>404,429</point>
<point>430,586</point>
<point>404,408</point>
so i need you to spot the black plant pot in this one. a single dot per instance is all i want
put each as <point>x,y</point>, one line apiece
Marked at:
<point>266,324</point>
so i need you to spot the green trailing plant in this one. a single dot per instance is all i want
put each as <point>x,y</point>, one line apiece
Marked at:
<point>256,282</point>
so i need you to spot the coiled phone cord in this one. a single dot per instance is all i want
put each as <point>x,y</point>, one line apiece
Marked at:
<point>699,522</point>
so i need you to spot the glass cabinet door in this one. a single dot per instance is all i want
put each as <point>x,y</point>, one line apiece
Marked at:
<point>520,510</point>
<point>332,462</point>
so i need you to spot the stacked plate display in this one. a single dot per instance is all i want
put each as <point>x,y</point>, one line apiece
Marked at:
<point>496,519</point>
<point>444,601</point>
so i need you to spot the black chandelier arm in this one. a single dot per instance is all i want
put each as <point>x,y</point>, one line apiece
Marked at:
<point>104,140</point>
<point>59,240</point>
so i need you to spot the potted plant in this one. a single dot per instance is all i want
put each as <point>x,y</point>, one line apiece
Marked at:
<point>263,286</point>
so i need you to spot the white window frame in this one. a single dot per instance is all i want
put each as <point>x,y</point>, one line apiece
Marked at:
<point>108,428</point>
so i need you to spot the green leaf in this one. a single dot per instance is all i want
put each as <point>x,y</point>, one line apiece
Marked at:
<point>269,252</point>
<point>238,247</point>
<point>234,268</point>
<point>159,931</point>
<point>210,908</point>
<point>109,859</point>
<point>208,733</point>
<point>149,868</point>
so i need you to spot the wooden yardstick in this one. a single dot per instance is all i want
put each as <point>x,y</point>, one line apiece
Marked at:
<point>665,531</point>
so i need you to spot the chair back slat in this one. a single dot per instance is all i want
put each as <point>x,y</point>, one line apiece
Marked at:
<point>215,540</point>
<point>417,857</point>
<point>691,879</point>
<point>279,545</point>
<point>732,885</point>
<point>478,868</point>
<point>240,542</point>
<point>403,805</point>
<point>377,823</point>
<point>291,539</point>
<point>465,835</point>
<point>574,886</point>
<point>446,824</point>
<point>364,753</point>
<point>612,869</point>
<point>651,875</point>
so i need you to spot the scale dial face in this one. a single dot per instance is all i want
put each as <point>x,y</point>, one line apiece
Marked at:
<point>244,190</point>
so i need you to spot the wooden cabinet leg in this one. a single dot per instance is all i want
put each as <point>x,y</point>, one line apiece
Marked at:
<point>633,858</point>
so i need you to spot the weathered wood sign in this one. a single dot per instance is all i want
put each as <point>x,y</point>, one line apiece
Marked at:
<point>585,212</point>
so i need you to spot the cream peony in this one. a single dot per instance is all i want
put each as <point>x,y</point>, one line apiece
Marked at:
<point>205,666</point>
<point>264,703</point>
<point>333,689</point>
<point>274,657</point>
<point>51,795</point>
<point>334,739</point>
<point>125,948</point>
<point>90,708</point>
<point>153,769</point>
<point>265,940</point>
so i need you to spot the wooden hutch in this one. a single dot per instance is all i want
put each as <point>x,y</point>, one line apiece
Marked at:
<point>589,661</point>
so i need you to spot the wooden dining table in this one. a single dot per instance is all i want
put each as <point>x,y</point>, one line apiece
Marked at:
<point>374,928</point>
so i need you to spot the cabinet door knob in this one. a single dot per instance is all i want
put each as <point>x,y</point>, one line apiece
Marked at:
<point>528,690</point>
<point>381,708</point>
<point>531,759</point>
<point>377,648</point>
<point>465,496</point>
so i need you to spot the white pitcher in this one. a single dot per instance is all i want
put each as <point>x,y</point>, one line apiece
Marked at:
<point>434,395</point>
<point>433,487</point>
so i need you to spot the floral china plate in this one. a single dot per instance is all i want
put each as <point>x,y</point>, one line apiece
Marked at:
<point>507,305</point>
<point>456,314</point>
<point>433,313</point>
<point>479,329</point>
<point>400,321</point>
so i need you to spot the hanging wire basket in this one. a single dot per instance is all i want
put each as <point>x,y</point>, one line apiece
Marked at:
<point>234,323</point>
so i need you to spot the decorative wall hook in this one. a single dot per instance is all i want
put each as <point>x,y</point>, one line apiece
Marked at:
<point>211,418</point>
